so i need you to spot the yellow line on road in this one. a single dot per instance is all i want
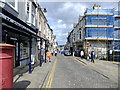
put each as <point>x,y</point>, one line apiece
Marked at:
<point>49,83</point>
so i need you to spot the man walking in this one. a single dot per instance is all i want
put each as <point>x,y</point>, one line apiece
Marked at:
<point>55,52</point>
<point>92,56</point>
<point>52,52</point>
<point>82,54</point>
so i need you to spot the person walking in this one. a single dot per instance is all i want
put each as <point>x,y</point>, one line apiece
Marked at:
<point>42,54</point>
<point>48,54</point>
<point>92,56</point>
<point>73,53</point>
<point>55,52</point>
<point>52,52</point>
<point>82,54</point>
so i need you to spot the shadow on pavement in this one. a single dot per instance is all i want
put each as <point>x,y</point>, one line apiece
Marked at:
<point>25,69</point>
<point>21,84</point>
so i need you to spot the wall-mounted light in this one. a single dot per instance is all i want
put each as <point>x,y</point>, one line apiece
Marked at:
<point>44,10</point>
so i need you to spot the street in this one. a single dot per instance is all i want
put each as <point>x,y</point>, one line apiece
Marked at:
<point>68,72</point>
<point>71,74</point>
<point>49,44</point>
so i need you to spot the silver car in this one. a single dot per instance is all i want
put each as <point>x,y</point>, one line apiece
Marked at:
<point>67,53</point>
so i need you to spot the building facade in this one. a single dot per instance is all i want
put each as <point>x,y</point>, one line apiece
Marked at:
<point>101,22</point>
<point>98,30</point>
<point>17,32</point>
<point>25,28</point>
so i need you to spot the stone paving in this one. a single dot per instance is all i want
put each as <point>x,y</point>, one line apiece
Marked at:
<point>34,80</point>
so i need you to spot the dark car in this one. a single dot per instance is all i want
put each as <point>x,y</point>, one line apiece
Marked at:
<point>67,53</point>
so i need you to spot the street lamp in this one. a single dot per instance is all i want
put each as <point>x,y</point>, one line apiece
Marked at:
<point>44,10</point>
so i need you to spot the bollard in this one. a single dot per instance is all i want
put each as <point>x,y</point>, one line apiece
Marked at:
<point>6,65</point>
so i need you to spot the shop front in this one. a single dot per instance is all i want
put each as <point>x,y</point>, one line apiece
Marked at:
<point>18,33</point>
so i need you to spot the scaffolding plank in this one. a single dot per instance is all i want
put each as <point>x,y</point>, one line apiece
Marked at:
<point>98,14</point>
<point>99,38</point>
<point>98,25</point>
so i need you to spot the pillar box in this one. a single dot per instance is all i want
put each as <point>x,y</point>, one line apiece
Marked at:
<point>6,65</point>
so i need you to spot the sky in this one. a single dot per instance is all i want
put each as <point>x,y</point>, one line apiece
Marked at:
<point>62,15</point>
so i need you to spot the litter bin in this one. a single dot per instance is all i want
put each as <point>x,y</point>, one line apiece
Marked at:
<point>6,65</point>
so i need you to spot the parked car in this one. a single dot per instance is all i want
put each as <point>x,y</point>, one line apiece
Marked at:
<point>67,53</point>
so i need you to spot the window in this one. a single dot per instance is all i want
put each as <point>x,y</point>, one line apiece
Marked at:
<point>28,10</point>
<point>33,14</point>
<point>13,4</point>
<point>80,34</point>
<point>28,6</point>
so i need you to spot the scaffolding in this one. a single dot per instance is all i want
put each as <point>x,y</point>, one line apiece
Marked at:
<point>100,29</point>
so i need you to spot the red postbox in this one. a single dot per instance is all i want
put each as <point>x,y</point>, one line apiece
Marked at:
<point>6,65</point>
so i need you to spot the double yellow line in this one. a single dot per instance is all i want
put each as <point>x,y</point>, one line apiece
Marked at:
<point>50,79</point>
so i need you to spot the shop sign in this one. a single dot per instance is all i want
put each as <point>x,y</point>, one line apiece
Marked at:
<point>104,51</point>
<point>87,44</point>
<point>15,22</point>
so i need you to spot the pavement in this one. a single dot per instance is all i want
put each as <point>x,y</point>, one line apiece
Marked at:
<point>107,68</point>
<point>22,78</point>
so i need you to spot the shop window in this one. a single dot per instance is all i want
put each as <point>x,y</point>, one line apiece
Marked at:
<point>24,50</point>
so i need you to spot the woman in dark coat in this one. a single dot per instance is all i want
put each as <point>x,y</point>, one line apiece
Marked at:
<point>92,56</point>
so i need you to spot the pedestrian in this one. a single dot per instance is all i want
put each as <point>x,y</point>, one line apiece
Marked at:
<point>92,56</point>
<point>42,54</point>
<point>52,52</point>
<point>89,56</point>
<point>73,53</point>
<point>82,54</point>
<point>55,52</point>
<point>48,54</point>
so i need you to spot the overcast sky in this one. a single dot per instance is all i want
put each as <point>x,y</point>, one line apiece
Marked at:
<point>62,15</point>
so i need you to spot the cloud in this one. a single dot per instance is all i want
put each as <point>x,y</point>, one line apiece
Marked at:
<point>60,21</point>
<point>62,15</point>
<point>76,7</point>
